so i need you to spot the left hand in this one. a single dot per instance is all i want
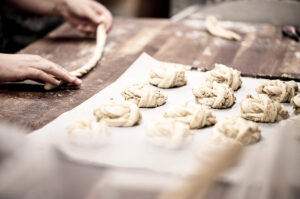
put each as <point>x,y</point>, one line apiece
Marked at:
<point>85,15</point>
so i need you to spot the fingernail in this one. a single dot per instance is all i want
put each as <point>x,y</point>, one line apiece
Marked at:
<point>78,81</point>
<point>57,82</point>
<point>100,19</point>
<point>73,78</point>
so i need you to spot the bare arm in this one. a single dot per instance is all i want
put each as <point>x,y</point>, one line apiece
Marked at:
<point>46,7</point>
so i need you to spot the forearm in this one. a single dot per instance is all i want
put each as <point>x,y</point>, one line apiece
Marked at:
<point>47,7</point>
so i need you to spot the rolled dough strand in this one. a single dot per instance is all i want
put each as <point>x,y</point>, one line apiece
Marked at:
<point>101,39</point>
<point>216,30</point>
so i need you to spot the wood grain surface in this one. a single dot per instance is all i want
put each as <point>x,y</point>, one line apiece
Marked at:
<point>261,52</point>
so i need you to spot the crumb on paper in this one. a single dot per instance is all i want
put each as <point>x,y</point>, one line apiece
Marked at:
<point>207,52</point>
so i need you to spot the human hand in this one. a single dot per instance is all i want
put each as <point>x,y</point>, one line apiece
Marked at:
<point>19,67</point>
<point>85,15</point>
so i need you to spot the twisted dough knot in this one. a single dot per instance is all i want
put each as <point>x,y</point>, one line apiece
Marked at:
<point>295,101</point>
<point>278,90</point>
<point>262,109</point>
<point>168,133</point>
<point>118,114</point>
<point>144,96</point>
<point>226,75</point>
<point>245,132</point>
<point>167,75</point>
<point>214,95</point>
<point>85,132</point>
<point>195,115</point>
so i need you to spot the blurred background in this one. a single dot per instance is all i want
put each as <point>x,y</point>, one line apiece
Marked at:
<point>20,29</point>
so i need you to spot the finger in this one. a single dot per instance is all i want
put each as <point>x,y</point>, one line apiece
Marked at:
<point>92,15</point>
<point>100,9</point>
<point>57,71</point>
<point>109,22</point>
<point>88,28</point>
<point>75,21</point>
<point>36,74</point>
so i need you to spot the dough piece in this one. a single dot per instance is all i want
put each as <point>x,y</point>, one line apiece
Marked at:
<point>278,90</point>
<point>226,75</point>
<point>167,75</point>
<point>295,101</point>
<point>144,95</point>
<point>212,27</point>
<point>192,114</point>
<point>81,71</point>
<point>118,114</point>
<point>168,133</point>
<point>236,128</point>
<point>214,95</point>
<point>87,133</point>
<point>262,109</point>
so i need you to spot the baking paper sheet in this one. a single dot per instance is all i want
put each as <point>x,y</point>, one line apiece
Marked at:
<point>128,147</point>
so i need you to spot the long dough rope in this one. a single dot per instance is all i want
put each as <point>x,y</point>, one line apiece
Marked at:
<point>101,39</point>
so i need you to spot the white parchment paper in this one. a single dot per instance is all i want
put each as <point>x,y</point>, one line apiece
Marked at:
<point>128,147</point>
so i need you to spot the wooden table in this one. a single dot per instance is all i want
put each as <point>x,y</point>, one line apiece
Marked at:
<point>262,52</point>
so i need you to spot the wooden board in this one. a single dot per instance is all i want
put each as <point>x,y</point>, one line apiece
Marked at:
<point>262,52</point>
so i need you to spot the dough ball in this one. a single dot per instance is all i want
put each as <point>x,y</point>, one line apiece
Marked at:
<point>192,114</point>
<point>245,132</point>
<point>118,114</point>
<point>262,109</point>
<point>226,75</point>
<point>87,133</point>
<point>168,133</point>
<point>295,101</point>
<point>167,75</point>
<point>278,90</point>
<point>144,96</point>
<point>214,95</point>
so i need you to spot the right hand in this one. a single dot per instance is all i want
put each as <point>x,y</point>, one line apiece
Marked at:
<point>18,67</point>
<point>85,15</point>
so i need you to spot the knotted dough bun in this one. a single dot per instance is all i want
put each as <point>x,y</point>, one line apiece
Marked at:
<point>118,114</point>
<point>168,133</point>
<point>87,133</point>
<point>295,101</point>
<point>278,90</point>
<point>167,75</point>
<point>214,95</point>
<point>262,109</point>
<point>144,95</point>
<point>236,128</point>
<point>192,114</point>
<point>226,75</point>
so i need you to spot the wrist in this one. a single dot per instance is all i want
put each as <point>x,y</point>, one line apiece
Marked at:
<point>60,7</point>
